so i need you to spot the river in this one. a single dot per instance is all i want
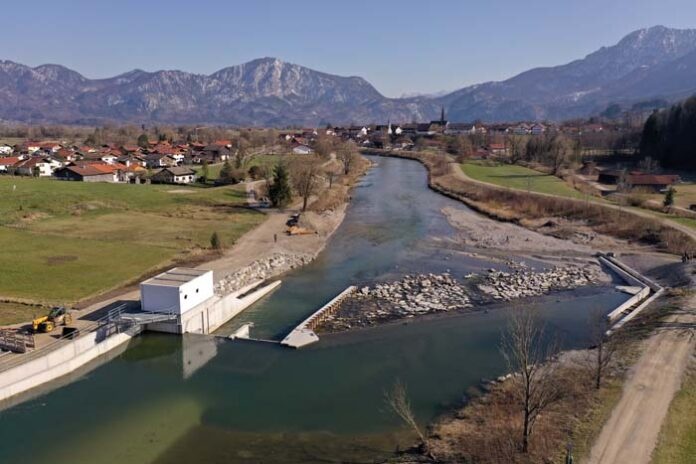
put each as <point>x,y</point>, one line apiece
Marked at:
<point>169,399</point>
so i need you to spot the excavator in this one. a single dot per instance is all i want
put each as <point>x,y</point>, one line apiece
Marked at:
<point>57,316</point>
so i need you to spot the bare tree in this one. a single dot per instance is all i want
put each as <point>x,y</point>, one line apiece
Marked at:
<point>518,148</point>
<point>398,402</point>
<point>605,346</point>
<point>347,154</point>
<point>305,173</point>
<point>331,172</point>
<point>325,145</point>
<point>527,352</point>
<point>561,150</point>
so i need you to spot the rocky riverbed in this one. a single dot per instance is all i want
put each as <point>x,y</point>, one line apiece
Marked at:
<point>524,282</point>
<point>262,269</point>
<point>411,296</point>
<point>417,295</point>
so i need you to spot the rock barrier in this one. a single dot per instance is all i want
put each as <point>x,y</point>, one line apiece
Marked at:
<point>262,269</point>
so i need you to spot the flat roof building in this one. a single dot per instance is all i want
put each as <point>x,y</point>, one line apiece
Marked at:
<point>177,290</point>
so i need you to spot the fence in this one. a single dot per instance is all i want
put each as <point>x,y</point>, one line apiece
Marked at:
<point>111,323</point>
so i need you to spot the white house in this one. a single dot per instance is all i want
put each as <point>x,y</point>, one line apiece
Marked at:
<point>174,175</point>
<point>37,166</point>
<point>7,162</point>
<point>176,291</point>
<point>6,150</point>
<point>394,130</point>
<point>537,129</point>
<point>302,150</point>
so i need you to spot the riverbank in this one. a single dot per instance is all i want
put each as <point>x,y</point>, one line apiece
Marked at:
<point>560,217</point>
<point>268,251</point>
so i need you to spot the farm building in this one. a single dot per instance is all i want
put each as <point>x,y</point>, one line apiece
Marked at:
<point>174,175</point>
<point>85,173</point>
<point>656,182</point>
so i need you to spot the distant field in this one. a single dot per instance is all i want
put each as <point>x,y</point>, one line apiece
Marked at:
<point>64,241</point>
<point>269,161</point>
<point>519,177</point>
<point>12,141</point>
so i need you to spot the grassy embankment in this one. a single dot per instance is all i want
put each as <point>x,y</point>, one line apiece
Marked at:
<point>522,178</point>
<point>527,208</point>
<point>677,443</point>
<point>519,177</point>
<point>61,242</point>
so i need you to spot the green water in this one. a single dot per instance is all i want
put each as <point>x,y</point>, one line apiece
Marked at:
<point>204,399</point>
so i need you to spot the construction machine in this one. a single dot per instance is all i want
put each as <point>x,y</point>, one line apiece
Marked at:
<point>55,317</point>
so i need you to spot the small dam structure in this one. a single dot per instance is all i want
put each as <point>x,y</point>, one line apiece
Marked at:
<point>643,290</point>
<point>304,334</point>
<point>183,300</point>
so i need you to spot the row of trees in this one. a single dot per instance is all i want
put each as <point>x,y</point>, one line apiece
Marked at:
<point>553,150</point>
<point>304,175</point>
<point>669,136</point>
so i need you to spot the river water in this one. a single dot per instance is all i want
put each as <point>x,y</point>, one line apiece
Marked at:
<point>169,399</point>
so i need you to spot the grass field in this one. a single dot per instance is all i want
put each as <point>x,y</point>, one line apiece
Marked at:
<point>268,161</point>
<point>677,444</point>
<point>519,177</point>
<point>13,313</point>
<point>685,196</point>
<point>64,241</point>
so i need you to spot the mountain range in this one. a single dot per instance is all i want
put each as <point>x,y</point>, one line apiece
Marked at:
<point>648,64</point>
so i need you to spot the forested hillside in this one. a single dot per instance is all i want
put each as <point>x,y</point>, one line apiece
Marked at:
<point>669,136</point>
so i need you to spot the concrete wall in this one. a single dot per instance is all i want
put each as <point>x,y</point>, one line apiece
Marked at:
<point>157,298</point>
<point>216,311</point>
<point>196,291</point>
<point>59,362</point>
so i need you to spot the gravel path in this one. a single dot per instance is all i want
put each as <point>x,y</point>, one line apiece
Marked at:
<point>631,433</point>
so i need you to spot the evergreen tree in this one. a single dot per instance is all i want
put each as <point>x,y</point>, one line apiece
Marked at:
<point>279,191</point>
<point>143,141</point>
<point>205,172</point>
<point>215,242</point>
<point>669,197</point>
<point>226,173</point>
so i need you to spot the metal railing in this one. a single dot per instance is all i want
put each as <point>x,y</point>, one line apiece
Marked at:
<point>112,319</point>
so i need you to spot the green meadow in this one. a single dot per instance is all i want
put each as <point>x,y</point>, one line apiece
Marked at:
<point>61,242</point>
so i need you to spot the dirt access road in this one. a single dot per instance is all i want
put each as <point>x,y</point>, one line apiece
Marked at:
<point>630,435</point>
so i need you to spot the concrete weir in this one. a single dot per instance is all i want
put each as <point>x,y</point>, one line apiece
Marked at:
<point>646,291</point>
<point>304,334</point>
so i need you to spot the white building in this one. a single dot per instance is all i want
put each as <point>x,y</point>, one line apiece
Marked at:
<point>302,150</point>
<point>176,291</point>
<point>6,150</point>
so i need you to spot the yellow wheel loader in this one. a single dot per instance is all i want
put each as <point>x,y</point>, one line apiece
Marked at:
<point>57,316</point>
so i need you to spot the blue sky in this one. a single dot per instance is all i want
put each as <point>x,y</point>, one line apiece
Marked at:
<point>399,46</point>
